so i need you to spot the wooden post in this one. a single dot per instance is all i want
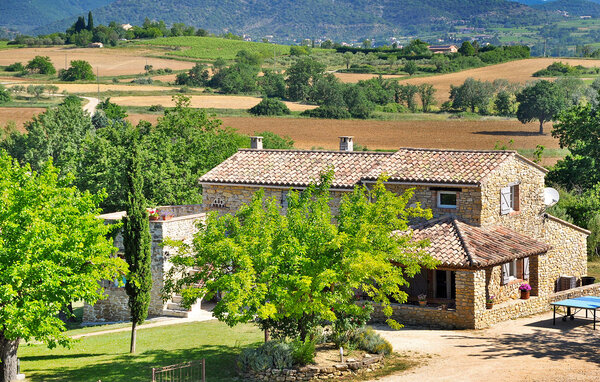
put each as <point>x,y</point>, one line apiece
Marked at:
<point>203,370</point>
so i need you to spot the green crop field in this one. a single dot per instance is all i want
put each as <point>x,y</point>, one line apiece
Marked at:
<point>211,48</point>
<point>3,44</point>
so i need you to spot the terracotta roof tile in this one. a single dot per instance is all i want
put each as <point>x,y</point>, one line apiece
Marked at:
<point>459,245</point>
<point>300,168</point>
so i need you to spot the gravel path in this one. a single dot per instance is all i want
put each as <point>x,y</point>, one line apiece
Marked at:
<point>527,349</point>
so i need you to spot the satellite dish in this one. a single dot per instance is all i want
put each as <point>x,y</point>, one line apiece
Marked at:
<point>551,196</point>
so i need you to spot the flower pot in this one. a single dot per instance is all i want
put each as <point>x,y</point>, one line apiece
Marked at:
<point>422,303</point>
<point>489,305</point>
<point>167,217</point>
<point>525,294</point>
<point>154,217</point>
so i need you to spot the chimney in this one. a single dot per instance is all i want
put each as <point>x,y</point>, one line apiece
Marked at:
<point>256,143</point>
<point>346,143</point>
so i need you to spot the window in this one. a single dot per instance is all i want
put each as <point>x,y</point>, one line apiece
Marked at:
<point>284,199</point>
<point>509,199</point>
<point>444,284</point>
<point>515,270</point>
<point>218,202</point>
<point>447,199</point>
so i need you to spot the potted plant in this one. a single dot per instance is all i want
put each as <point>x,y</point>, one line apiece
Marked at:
<point>167,217</point>
<point>153,213</point>
<point>422,299</point>
<point>489,302</point>
<point>525,290</point>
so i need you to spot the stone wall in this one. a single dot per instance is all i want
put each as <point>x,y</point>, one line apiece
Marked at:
<point>114,306</point>
<point>313,373</point>
<point>502,292</point>
<point>587,290</point>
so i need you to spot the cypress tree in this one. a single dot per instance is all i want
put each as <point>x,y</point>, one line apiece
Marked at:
<point>90,25</point>
<point>137,241</point>
<point>80,24</point>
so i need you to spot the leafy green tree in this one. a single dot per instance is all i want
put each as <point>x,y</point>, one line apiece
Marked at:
<point>542,101</point>
<point>4,95</point>
<point>79,70</point>
<point>472,94</point>
<point>41,65</point>
<point>15,67</point>
<point>505,103</point>
<point>296,50</point>
<point>466,49</point>
<point>348,57</point>
<point>292,269</point>
<point>82,38</point>
<point>301,75</point>
<point>327,90</point>
<point>427,95</point>
<point>36,90</point>
<point>248,58</point>
<point>137,242</point>
<point>411,68</point>
<point>197,76</point>
<point>112,110</point>
<point>90,23</point>
<point>269,106</point>
<point>54,252</point>
<point>406,94</point>
<point>272,84</point>
<point>78,26</point>
<point>328,112</point>
<point>358,104</point>
<point>274,141</point>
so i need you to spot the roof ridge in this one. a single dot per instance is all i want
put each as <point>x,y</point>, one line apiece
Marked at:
<point>463,241</point>
<point>460,150</point>
<point>317,151</point>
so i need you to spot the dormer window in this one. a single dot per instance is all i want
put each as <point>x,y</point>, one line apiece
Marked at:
<point>447,199</point>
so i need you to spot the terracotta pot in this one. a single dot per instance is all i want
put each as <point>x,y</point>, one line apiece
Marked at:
<point>154,217</point>
<point>422,303</point>
<point>489,305</point>
<point>525,294</point>
<point>167,217</point>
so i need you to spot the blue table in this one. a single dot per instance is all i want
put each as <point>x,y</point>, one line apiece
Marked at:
<point>577,304</point>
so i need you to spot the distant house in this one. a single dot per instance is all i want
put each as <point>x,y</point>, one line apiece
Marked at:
<point>585,17</point>
<point>126,26</point>
<point>443,49</point>
<point>96,45</point>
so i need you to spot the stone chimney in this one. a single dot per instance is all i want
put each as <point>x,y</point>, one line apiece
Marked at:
<point>256,143</point>
<point>346,143</point>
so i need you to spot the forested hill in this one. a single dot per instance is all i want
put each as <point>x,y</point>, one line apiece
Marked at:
<point>336,19</point>
<point>574,7</point>
<point>25,15</point>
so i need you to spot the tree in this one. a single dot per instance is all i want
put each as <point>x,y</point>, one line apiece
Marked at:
<point>248,58</point>
<point>466,49</point>
<point>542,101</point>
<point>272,84</point>
<point>426,93</point>
<point>274,141</point>
<point>197,76</point>
<point>137,243</point>
<point>301,75</point>
<point>411,68</point>
<point>348,56</point>
<point>4,95</point>
<point>79,70</point>
<point>358,104</point>
<point>78,26</point>
<point>367,44</point>
<point>293,269</point>
<point>505,103</point>
<point>406,93</point>
<point>36,90</point>
<point>472,94</point>
<point>41,65</point>
<point>82,38</point>
<point>54,252</point>
<point>269,106</point>
<point>90,24</point>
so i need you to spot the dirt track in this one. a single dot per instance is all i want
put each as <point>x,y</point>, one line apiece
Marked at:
<point>527,349</point>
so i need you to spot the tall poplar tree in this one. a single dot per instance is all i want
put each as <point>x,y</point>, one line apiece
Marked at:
<point>137,241</point>
<point>90,25</point>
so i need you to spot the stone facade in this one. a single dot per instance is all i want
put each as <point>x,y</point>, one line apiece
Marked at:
<point>182,226</point>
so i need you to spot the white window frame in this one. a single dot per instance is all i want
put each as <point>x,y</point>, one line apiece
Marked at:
<point>439,199</point>
<point>509,206</point>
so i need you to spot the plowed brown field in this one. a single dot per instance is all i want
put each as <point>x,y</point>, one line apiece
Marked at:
<point>515,71</point>
<point>19,115</point>
<point>110,62</point>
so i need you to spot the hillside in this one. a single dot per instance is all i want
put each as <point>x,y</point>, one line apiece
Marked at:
<point>26,15</point>
<point>336,19</point>
<point>574,7</point>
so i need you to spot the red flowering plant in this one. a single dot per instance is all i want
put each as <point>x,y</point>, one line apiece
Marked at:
<point>348,321</point>
<point>525,287</point>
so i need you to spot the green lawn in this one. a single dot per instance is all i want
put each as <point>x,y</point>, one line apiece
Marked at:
<point>594,269</point>
<point>106,357</point>
<point>211,48</point>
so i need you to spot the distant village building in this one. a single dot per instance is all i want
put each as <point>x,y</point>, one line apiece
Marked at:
<point>443,49</point>
<point>126,26</point>
<point>585,17</point>
<point>96,45</point>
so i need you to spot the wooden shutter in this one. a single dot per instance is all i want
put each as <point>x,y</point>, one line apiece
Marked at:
<point>505,201</point>
<point>526,268</point>
<point>505,273</point>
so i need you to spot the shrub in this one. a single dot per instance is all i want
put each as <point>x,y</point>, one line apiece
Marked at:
<point>156,108</point>
<point>303,352</point>
<point>270,106</point>
<point>347,323</point>
<point>4,95</point>
<point>41,65</point>
<point>274,141</point>
<point>115,80</point>
<point>333,112</point>
<point>368,340</point>
<point>16,67</point>
<point>270,355</point>
<point>394,107</point>
<point>79,70</point>
<point>142,81</point>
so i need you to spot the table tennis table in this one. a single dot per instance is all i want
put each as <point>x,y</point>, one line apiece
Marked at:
<point>575,305</point>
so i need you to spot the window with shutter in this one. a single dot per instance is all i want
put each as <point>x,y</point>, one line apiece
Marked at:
<point>526,268</point>
<point>505,273</point>
<point>505,201</point>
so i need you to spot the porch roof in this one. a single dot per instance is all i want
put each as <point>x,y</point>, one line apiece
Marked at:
<point>459,245</point>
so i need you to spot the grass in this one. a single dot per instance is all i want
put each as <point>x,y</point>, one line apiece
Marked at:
<point>106,357</point>
<point>212,48</point>
<point>594,268</point>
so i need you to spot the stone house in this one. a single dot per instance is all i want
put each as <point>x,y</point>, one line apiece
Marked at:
<point>176,223</point>
<point>442,49</point>
<point>490,230</point>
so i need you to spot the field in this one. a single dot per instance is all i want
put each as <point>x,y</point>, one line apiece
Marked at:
<point>208,101</point>
<point>109,61</point>
<point>91,88</point>
<point>515,71</point>
<point>211,48</point>
<point>19,115</point>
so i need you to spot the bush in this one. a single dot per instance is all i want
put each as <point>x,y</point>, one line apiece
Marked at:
<point>115,80</point>
<point>156,108</point>
<point>274,141</point>
<point>4,95</point>
<point>332,112</point>
<point>41,65</point>
<point>347,323</point>
<point>394,107</point>
<point>142,81</point>
<point>16,67</point>
<point>368,340</point>
<point>270,106</point>
<point>303,352</point>
<point>270,355</point>
<point>79,70</point>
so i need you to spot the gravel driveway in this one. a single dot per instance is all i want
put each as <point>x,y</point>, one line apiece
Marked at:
<point>527,349</point>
